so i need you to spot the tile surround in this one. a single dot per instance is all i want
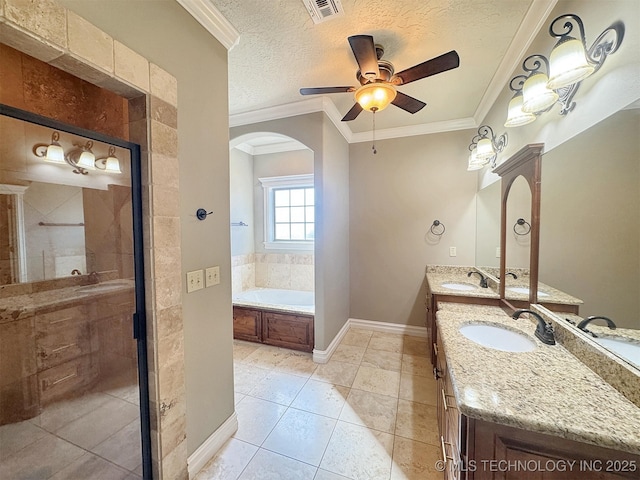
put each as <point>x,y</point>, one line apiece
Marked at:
<point>53,34</point>
<point>272,270</point>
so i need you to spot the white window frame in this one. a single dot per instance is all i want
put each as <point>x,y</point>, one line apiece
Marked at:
<point>269,184</point>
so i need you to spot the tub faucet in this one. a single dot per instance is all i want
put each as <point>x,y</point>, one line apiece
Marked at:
<point>483,280</point>
<point>583,324</point>
<point>544,331</point>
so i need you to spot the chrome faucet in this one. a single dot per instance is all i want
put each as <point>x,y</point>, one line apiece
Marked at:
<point>483,280</point>
<point>583,324</point>
<point>544,331</point>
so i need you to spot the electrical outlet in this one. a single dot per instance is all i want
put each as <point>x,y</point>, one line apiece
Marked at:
<point>195,281</point>
<point>212,276</point>
<point>452,251</point>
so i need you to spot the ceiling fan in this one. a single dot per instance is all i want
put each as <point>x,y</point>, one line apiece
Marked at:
<point>378,81</point>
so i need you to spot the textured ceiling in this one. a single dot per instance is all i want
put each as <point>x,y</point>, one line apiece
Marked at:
<point>281,50</point>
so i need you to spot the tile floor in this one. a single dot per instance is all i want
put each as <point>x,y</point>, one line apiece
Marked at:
<point>367,414</point>
<point>96,436</point>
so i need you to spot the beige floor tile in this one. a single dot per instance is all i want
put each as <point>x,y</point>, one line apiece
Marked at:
<point>229,461</point>
<point>247,377</point>
<point>15,436</point>
<point>324,475</point>
<point>417,365</point>
<point>256,419</point>
<point>386,342</point>
<point>415,346</point>
<point>417,421</point>
<point>321,398</point>
<point>267,357</point>
<point>370,410</point>
<point>300,364</point>
<point>237,397</point>
<point>47,456</point>
<point>266,465</point>
<point>59,414</point>
<point>124,447</point>
<point>95,427</point>
<point>376,380</point>
<point>301,435</point>
<point>358,453</point>
<point>418,389</point>
<point>338,373</point>
<point>242,350</point>
<point>91,466</point>
<point>382,359</point>
<point>415,460</point>
<point>357,338</point>
<point>348,354</point>
<point>278,387</point>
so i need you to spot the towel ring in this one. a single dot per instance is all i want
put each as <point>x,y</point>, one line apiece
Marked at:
<point>201,213</point>
<point>527,227</point>
<point>434,227</point>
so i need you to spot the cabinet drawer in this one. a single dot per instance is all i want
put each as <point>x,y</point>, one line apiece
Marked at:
<point>62,344</point>
<point>61,319</point>
<point>66,379</point>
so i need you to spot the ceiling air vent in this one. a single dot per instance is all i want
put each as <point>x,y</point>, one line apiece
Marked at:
<point>322,10</point>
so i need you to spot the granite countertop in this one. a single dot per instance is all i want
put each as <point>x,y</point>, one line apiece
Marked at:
<point>563,397</point>
<point>25,305</point>
<point>546,293</point>
<point>437,275</point>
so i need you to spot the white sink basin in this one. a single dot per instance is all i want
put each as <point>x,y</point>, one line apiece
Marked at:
<point>102,287</point>
<point>459,286</point>
<point>627,350</point>
<point>497,337</point>
<point>525,290</point>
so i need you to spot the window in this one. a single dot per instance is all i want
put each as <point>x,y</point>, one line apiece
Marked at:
<point>289,212</point>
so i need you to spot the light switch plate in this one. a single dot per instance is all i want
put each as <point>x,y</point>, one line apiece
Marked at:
<point>212,276</point>
<point>195,281</point>
<point>452,251</point>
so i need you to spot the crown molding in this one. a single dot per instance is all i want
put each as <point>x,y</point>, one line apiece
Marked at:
<point>413,130</point>
<point>530,27</point>
<point>213,21</point>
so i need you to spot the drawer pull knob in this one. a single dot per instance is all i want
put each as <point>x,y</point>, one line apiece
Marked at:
<point>60,320</point>
<point>65,378</point>
<point>444,451</point>
<point>64,347</point>
<point>444,400</point>
<point>435,349</point>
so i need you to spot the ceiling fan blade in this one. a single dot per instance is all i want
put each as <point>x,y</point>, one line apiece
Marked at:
<point>444,62</point>
<point>322,90</point>
<point>365,52</point>
<point>353,113</point>
<point>407,103</point>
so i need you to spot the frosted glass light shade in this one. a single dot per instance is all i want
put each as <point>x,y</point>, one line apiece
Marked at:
<point>375,96</point>
<point>112,165</point>
<point>516,117</point>
<point>536,95</point>
<point>87,160</point>
<point>568,63</point>
<point>475,163</point>
<point>485,149</point>
<point>54,154</point>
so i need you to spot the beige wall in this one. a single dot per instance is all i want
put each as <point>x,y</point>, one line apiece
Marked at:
<point>163,32</point>
<point>241,186</point>
<point>590,211</point>
<point>395,196</point>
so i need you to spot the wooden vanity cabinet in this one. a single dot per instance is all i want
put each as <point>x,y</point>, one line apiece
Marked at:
<point>480,450</point>
<point>287,330</point>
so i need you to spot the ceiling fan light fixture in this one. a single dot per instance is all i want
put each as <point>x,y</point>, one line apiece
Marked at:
<point>375,96</point>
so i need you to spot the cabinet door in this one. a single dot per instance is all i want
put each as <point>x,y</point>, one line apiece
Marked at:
<point>247,324</point>
<point>289,331</point>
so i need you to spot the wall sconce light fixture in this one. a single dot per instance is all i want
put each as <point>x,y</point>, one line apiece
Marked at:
<point>570,62</point>
<point>485,147</point>
<point>81,158</point>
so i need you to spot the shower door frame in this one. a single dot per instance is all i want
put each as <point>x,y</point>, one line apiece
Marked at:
<point>139,316</point>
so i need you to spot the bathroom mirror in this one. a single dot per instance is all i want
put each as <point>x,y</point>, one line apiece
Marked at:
<point>45,206</point>
<point>590,213</point>
<point>488,228</point>
<point>518,238</point>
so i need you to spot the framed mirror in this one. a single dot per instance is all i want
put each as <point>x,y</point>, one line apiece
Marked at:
<point>488,228</point>
<point>590,237</point>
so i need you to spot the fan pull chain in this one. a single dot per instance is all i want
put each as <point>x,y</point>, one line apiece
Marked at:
<point>373,144</point>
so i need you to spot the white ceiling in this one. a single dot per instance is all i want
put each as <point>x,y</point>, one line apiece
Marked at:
<point>280,50</point>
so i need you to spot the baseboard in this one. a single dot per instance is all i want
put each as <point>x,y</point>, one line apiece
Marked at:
<point>323,356</point>
<point>205,452</point>
<point>386,327</point>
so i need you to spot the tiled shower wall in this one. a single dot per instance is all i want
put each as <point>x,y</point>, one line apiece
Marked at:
<point>288,271</point>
